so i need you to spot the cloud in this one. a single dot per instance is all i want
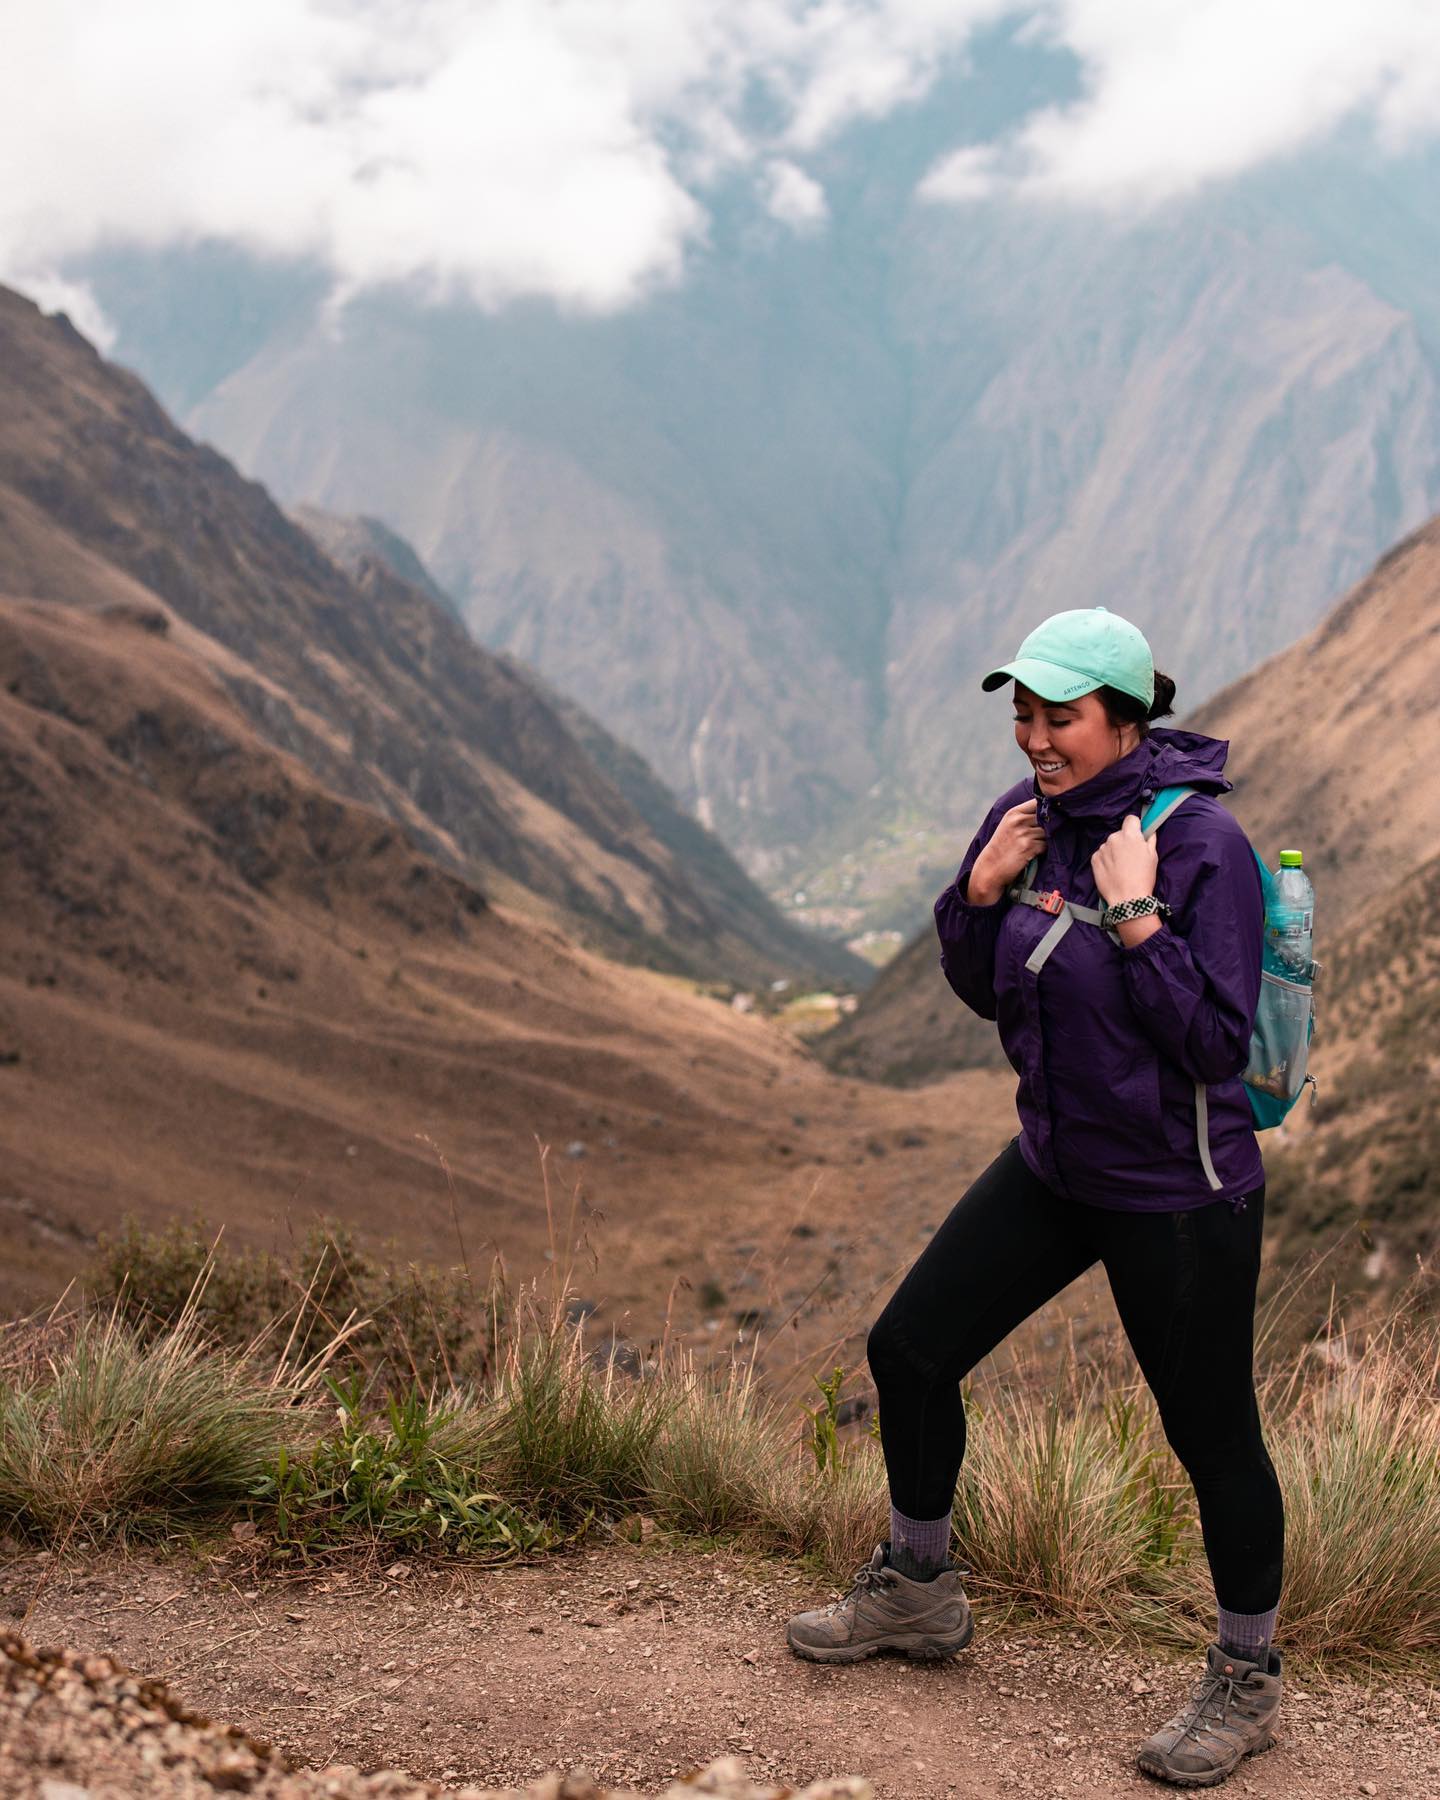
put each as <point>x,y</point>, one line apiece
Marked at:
<point>488,150</point>
<point>1179,92</point>
<point>483,150</point>
<point>793,197</point>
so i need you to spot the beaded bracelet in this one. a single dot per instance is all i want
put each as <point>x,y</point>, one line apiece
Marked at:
<point>1142,908</point>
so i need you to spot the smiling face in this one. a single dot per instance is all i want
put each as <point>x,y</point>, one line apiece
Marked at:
<point>1068,743</point>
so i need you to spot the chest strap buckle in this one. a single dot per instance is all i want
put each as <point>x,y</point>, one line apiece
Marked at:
<point>1053,902</point>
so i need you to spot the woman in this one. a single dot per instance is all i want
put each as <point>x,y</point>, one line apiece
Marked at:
<point>1136,1150</point>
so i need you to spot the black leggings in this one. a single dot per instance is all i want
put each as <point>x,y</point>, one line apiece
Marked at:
<point>1184,1286</point>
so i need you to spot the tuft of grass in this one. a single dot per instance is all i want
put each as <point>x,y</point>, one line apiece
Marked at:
<point>1070,1506</point>
<point>1357,1449</point>
<point>571,1440</point>
<point>714,1466</point>
<point>1068,1501</point>
<point>104,1435</point>
<point>406,1475</point>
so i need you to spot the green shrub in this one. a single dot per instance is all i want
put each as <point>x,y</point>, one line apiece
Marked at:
<point>408,1476</point>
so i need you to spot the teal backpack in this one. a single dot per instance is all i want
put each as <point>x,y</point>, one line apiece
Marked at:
<point>1276,1073</point>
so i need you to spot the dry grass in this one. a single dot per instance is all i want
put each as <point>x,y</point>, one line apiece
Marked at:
<point>103,1435</point>
<point>1070,1505</point>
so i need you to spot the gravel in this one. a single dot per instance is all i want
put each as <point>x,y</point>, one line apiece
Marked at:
<point>75,1727</point>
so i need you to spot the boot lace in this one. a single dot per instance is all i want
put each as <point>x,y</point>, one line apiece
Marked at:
<point>1209,1705</point>
<point>867,1581</point>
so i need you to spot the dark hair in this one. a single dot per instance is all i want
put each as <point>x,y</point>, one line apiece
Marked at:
<point>1125,709</point>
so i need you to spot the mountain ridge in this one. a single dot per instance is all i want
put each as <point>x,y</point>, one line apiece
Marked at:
<point>373,683</point>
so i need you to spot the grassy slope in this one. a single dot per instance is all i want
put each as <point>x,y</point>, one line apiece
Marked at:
<point>224,990</point>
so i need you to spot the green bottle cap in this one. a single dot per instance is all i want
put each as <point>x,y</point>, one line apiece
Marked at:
<point>1292,859</point>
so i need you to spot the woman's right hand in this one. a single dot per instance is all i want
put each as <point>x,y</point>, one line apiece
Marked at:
<point>1014,841</point>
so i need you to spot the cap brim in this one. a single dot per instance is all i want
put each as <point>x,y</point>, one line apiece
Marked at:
<point>1046,679</point>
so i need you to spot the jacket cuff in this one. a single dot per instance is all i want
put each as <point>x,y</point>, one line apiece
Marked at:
<point>975,906</point>
<point>1149,947</point>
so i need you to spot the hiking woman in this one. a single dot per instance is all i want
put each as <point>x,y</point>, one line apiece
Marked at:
<point>1129,1031</point>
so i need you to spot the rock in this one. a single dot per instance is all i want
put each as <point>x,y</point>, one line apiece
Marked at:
<point>130,1736</point>
<point>754,1318</point>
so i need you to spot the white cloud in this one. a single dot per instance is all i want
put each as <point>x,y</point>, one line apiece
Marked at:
<point>76,299</point>
<point>483,148</point>
<point>793,197</point>
<point>1181,92</point>
<point>490,149</point>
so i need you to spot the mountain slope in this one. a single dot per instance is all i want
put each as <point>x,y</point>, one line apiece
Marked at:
<point>1336,741</point>
<point>376,559</point>
<point>372,683</point>
<point>225,990</point>
<point>1360,1181</point>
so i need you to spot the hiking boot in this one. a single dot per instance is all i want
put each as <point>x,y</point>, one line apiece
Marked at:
<point>1231,1715</point>
<point>886,1610</point>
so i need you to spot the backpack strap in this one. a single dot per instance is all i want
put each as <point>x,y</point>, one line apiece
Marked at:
<point>1068,911</point>
<point>1158,811</point>
<point>1161,807</point>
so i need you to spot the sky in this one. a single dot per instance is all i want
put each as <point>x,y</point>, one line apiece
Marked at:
<point>492,150</point>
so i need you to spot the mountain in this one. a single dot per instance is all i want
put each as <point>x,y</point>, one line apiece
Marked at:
<point>370,680</point>
<point>769,526</point>
<point>358,545</point>
<point>1336,741</point>
<point>227,991</point>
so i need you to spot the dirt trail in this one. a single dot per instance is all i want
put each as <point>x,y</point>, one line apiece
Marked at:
<point>636,1663</point>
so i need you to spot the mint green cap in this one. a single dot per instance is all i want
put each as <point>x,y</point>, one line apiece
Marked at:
<point>1073,653</point>
<point>1292,859</point>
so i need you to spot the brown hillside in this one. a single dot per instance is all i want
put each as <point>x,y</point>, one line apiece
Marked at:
<point>910,1026</point>
<point>388,570</point>
<point>372,683</point>
<point>1335,742</point>
<point>1359,1175</point>
<point>224,990</point>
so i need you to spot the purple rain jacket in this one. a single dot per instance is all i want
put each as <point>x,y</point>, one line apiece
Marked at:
<point>1109,1042</point>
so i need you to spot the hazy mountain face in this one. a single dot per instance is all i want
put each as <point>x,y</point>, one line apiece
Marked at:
<point>770,526</point>
<point>364,677</point>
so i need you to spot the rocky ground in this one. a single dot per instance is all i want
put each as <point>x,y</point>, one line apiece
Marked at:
<point>634,1664</point>
<point>65,1715</point>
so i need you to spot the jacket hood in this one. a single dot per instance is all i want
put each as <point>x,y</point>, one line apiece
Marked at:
<point>1162,759</point>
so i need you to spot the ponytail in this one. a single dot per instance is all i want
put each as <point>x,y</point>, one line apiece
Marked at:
<point>1125,709</point>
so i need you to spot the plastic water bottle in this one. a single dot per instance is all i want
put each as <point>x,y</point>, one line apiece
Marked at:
<point>1290,927</point>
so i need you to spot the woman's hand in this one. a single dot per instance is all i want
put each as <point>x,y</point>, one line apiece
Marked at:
<point>1014,841</point>
<point>1124,866</point>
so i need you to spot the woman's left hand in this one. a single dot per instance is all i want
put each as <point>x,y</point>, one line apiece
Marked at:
<point>1124,866</point>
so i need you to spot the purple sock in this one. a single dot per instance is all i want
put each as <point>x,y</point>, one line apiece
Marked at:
<point>918,1547</point>
<point>1246,1635</point>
